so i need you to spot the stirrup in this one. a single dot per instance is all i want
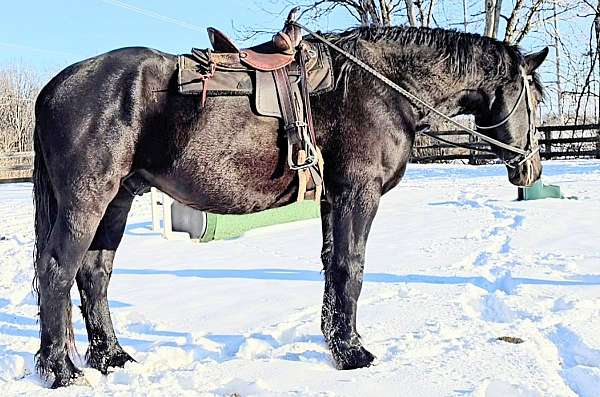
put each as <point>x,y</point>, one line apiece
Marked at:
<point>301,138</point>
<point>311,157</point>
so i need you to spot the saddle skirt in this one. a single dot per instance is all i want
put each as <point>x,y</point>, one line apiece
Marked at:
<point>230,76</point>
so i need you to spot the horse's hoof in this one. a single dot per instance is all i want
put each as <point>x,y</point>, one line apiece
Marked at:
<point>102,361</point>
<point>352,357</point>
<point>63,380</point>
<point>120,359</point>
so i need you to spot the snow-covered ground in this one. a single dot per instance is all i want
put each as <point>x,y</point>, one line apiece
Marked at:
<point>453,263</point>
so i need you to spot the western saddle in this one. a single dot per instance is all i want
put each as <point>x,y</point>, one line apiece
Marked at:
<point>280,76</point>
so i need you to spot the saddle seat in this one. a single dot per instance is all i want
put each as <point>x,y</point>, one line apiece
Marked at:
<point>266,57</point>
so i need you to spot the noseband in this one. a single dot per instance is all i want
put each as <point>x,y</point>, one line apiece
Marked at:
<point>523,155</point>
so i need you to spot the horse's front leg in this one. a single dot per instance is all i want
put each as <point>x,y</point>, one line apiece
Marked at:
<point>327,229</point>
<point>351,215</point>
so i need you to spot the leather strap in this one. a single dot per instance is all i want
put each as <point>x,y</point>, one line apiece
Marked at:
<point>297,116</point>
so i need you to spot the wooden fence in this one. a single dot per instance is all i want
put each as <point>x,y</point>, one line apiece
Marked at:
<point>558,141</point>
<point>16,167</point>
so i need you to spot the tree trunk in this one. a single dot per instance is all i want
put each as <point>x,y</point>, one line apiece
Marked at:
<point>465,13</point>
<point>557,65</point>
<point>497,12</point>
<point>597,29</point>
<point>511,24</point>
<point>385,8</point>
<point>410,13</point>
<point>490,17</point>
<point>430,12</point>
<point>533,11</point>
<point>422,15</point>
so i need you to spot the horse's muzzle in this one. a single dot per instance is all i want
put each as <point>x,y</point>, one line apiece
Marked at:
<point>527,173</point>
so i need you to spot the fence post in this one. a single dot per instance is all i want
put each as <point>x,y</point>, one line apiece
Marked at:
<point>548,146</point>
<point>598,142</point>
<point>156,198</point>
<point>472,153</point>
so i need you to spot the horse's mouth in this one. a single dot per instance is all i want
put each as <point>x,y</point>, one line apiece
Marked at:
<point>525,174</point>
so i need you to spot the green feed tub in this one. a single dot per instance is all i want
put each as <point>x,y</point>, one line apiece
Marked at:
<point>205,226</point>
<point>539,191</point>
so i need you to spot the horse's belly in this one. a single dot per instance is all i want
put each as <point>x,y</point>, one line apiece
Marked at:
<point>235,175</point>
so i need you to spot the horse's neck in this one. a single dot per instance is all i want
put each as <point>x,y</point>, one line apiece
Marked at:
<point>436,83</point>
<point>430,80</point>
<point>414,69</point>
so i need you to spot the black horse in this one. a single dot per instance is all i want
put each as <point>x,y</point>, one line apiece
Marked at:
<point>102,118</point>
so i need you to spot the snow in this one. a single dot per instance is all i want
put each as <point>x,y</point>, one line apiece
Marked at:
<point>453,263</point>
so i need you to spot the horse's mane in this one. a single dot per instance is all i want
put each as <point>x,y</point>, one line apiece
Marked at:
<point>466,54</point>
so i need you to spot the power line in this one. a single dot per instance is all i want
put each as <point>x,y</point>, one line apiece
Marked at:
<point>28,48</point>
<point>155,15</point>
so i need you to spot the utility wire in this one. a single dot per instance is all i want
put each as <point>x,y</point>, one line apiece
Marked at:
<point>28,48</point>
<point>155,15</point>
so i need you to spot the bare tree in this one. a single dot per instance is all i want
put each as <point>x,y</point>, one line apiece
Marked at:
<point>492,17</point>
<point>367,12</point>
<point>375,12</point>
<point>586,93</point>
<point>18,90</point>
<point>410,12</point>
<point>516,30</point>
<point>566,25</point>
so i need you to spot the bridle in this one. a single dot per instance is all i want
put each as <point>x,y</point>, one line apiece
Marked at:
<point>523,155</point>
<point>531,147</point>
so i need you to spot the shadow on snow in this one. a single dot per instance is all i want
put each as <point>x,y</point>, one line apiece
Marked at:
<point>311,275</point>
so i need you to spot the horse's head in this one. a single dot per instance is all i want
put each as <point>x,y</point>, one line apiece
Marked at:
<point>509,116</point>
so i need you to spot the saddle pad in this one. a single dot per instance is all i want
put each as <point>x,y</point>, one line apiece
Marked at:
<point>223,83</point>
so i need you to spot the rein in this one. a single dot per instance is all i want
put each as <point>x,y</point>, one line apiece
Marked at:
<point>523,155</point>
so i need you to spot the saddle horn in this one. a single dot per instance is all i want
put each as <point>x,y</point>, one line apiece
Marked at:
<point>290,37</point>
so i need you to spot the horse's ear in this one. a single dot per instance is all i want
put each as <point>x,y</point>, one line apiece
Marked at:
<point>534,60</point>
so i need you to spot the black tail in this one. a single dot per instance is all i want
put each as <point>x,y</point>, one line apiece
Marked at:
<point>44,201</point>
<point>45,217</point>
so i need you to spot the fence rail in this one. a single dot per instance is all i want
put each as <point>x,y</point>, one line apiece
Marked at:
<point>16,167</point>
<point>587,145</point>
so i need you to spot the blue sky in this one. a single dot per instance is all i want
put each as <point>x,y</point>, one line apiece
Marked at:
<point>49,35</point>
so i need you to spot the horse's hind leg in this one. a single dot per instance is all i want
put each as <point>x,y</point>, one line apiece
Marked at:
<point>56,267</point>
<point>92,280</point>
